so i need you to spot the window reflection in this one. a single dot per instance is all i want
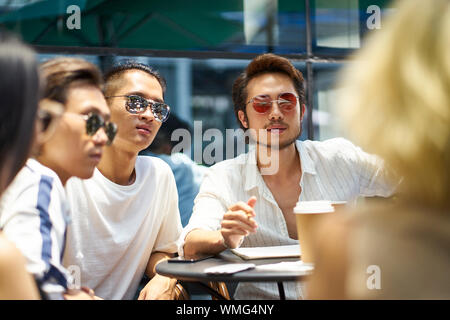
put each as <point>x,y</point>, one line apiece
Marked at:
<point>199,89</point>
<point>325,120</point>
<point>337,26</point>
<point>340,26</point>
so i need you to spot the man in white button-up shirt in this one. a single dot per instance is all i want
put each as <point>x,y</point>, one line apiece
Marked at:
<point>248,201</point>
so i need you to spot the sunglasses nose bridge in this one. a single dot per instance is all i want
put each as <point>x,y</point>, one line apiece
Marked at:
<point>275,110</point>
<point>148,112</point>
<point>100,136</point>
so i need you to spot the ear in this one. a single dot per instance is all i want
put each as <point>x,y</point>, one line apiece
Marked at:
<point>302,111</point>
<point>243,119</point>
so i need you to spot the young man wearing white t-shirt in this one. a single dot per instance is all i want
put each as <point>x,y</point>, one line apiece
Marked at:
<point>126,218</point>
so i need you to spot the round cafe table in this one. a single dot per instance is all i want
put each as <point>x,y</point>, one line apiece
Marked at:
<point>194,272</point>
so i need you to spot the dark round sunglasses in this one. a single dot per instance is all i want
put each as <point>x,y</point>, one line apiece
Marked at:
<point>94,122</point>
<point>263,103</point>
<point>136,104</point>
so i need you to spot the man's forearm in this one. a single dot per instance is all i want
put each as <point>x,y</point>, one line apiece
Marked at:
<point>159,287</point>
<point>155,258</point>
<point>203,242</point>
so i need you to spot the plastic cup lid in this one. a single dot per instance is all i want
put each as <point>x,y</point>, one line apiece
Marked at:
<point>338,202</point>
<point>310,207</point>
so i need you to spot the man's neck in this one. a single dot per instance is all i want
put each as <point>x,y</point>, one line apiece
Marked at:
<point>278,164</point>
<point>59,170</point>
<point>118,165</point>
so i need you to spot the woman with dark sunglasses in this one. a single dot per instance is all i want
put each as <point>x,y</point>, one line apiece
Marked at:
<point>20,94</point>
<point>36,211</point>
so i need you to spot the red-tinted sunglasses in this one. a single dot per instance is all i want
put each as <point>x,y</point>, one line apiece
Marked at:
<point>263,103</point>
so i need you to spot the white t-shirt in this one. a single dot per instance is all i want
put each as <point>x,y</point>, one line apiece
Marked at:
<point>115,228</point>
<point>34,215</point>
<point>331,170</point>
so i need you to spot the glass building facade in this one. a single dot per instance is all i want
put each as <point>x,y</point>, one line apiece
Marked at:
<point>201,46</point>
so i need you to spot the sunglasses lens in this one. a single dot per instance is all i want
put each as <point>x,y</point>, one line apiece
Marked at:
<point>136,104</point>
<point>111,130</point>
<point>287,101</point>
<point>262,103</point>
<point>160,111</point>
<point>93,123</point>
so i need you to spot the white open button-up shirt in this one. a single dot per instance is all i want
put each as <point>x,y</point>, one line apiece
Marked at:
<point>334,170</point>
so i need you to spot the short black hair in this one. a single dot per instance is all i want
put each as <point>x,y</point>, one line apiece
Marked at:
<point>119,68</point>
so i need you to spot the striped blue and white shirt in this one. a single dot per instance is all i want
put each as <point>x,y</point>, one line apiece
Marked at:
<point>333,170</point>
<point>34,215</point>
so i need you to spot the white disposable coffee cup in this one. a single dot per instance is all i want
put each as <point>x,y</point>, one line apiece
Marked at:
<point>308,214</point>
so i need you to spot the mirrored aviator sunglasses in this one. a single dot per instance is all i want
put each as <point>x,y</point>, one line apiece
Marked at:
<point>94,122</point>
<point>137,104</point>
<point>263,103</point>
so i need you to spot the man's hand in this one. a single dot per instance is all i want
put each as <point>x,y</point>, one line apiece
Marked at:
<point>81,294</point>
<point>238,222</point>
<point>159,288</point>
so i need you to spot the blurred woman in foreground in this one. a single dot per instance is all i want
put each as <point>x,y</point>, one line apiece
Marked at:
<point>19,92</point>
<point>396,103</point>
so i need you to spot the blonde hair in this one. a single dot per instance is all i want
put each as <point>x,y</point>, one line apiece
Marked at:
<point>395,100</point>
